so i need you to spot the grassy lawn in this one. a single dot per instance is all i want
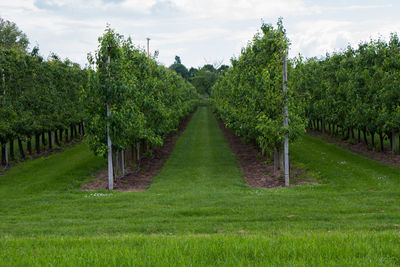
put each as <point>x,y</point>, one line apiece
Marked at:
<point>199,212</point>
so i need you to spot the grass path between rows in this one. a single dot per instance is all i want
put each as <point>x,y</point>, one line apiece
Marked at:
<point>199,211</point>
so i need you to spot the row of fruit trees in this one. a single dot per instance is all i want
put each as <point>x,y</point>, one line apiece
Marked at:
<point>126,103</point>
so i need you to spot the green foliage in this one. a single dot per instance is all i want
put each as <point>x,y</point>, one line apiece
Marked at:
<point>204,79</point>
<point>355,88</point>
<point>147,101</point>
<point>11,36</point>
<point>199,212</point>
<point>179,68</point>
<point>38,95</point>
<point>249,97</point>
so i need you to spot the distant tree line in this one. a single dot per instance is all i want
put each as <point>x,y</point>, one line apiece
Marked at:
<point>203,78</point>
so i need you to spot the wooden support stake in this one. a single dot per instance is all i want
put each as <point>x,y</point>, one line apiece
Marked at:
<point>109,144</point>
<point>286,123</point>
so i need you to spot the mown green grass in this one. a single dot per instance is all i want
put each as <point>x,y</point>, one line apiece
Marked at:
<point>328,249</point>
<point>199,211</point>
<point>43,148</point>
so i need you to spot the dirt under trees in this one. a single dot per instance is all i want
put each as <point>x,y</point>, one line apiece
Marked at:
<point>258,173</point>
<point>140,179</point>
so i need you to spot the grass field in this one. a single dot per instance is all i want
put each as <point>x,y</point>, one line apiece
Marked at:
<point>199,212</point>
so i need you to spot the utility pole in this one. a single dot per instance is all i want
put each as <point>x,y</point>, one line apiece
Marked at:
<point>109,143</point>
<point>148,47</point>
<point>285,122</point>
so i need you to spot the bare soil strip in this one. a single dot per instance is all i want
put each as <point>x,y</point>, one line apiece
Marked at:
<point>149,167</point>
<point>257,173</point>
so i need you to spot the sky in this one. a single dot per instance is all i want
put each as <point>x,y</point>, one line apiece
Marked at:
<point>199,31</point>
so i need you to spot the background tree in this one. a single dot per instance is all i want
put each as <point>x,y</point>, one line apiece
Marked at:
<point>179,68</point>
<point>204,79</point>
<point>11,36</point>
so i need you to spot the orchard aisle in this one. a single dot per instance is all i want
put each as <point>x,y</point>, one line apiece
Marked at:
<point>202,161</point>
<point>199,212</point>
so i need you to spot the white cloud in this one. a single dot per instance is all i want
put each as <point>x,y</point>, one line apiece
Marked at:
<point>240,9</point>
<point>194,35</point>
<point>139,5</point>
<point>198,31</point>
<point>317,37</point>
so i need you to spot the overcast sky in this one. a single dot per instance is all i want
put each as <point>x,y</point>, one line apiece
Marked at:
<point>199,31</point>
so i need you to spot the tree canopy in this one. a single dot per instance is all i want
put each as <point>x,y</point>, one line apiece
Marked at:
<point>205,77</point>
<point>179,68</point>
<point>11,36</point>
<point>249,97</point>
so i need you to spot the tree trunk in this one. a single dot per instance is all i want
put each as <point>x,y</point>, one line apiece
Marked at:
<point>3,154</point>
<point>323,126</point>
<point>56,138</point>
<point>12,155</point>
<point>373,140</point>
<point>83,129</point>
<point>276,161</point>
<point>138,154</point>
<point>393,142</point>
<point>122,163</point>
<point>37,143</point>
<point>365,136</point>
<point>44,139</point>
<point>66,135</point>
<point>281,162</point>
<point>61,134</point>
<point>143,149</point>
<point>116,164</point>
<point>381,141</point>
<point>72,132</point>
<point>359,135</point>
<point>21,148</point>
<point>50,140</point>
<point>133,157</point>
<point>352,133</point>
<point>398,152</point>
<point>6,155</point>
<point>29,145</point>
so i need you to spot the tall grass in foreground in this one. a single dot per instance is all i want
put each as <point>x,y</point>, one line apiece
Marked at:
<point>313,249</point>
<point>199,212</point>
